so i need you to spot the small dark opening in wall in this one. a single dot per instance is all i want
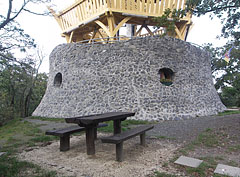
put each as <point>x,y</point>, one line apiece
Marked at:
<point>166,76</point>
<point>58,80</point>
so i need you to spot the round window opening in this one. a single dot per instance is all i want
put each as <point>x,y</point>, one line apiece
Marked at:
<point>166,76</point>
<point>58,80</point>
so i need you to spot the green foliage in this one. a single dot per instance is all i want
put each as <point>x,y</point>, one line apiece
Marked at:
<point>12,36</point>
<point>109,128</point>
<point>125,125</point>
<point>229,96</point>
<point>48,119</point>
<point>134,122</point>
<point>165,137</point>
<point>227,11</point>
<point>159,174</point>
<point>235,148</point>
<point>38,91</point>
<point>207,139</point>
<point>21,88</point>
<point>169,19</point>
<point>18,94</point>
<point>18,133</point>
<point>12,167</point>
<point>225,74</point>
<point>228,113</point>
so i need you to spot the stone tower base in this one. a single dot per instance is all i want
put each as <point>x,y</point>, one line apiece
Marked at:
<point>158,78</point>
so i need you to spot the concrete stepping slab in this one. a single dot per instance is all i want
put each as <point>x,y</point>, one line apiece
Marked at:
<point>1,153</point>
<point>227,170</point>
<point>188,161</point>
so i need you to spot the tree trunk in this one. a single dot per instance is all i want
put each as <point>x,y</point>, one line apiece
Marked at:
<point>27,103</point>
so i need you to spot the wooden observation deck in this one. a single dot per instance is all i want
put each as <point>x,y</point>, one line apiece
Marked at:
<point>95,20</point>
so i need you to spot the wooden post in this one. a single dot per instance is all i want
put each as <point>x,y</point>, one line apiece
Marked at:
<point>65,143</point>
<point>95,133</point>
<point>117,126</point>
<point>119,152</point>
<point>90,140</point>
<point>143,139</point>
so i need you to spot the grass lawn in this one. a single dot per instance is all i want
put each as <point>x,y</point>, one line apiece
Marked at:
<point>15,136</point>
<point>229,112</point>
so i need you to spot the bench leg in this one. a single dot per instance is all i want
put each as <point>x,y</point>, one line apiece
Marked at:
<point>95,133</point>
<point>65,143</point>
<point>119,152</point>
<point>142,139</point>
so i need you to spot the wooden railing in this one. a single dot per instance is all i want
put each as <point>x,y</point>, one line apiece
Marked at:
<point>84,11</point>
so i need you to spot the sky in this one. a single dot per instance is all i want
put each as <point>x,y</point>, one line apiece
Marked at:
<point>47,33</point>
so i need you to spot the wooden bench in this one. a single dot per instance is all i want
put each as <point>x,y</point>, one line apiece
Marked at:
<point>119,138</point>
<point>65,133</point>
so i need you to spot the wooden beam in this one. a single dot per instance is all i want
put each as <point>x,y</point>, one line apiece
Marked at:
<point>94,33</point>
<point>103,27</point>
<point>140,30</point>
<point>149,31</point>
<point>178,33</point>
<point>100,34</point>
<point>110,20</point>
<point>70,38</point>
<point>120,25</point>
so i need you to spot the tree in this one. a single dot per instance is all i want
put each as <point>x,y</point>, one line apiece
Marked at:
<point>12,13</point>
<point>227,10</point>
<point>226,74</point>
<point>21,86</point>
<point>11,35</point>
<point>18,77</point>
<point>231,95</point>
<point>38,92</point>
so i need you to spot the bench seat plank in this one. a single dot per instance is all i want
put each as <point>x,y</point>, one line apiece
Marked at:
<point>65,131</point>
<point>69,130</point>
<point>118,138</point>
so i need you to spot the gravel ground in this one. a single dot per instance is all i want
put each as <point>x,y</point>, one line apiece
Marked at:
<point>138,161</point>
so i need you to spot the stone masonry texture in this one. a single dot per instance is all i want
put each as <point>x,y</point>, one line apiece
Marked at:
<point>124,76</point>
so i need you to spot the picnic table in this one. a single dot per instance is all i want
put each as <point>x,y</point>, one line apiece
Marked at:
<point>91,122</point>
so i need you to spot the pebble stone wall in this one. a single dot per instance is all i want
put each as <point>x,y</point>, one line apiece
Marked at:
<point>95,78</point>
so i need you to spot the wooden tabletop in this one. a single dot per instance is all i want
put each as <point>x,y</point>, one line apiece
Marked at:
<point>97,118</point>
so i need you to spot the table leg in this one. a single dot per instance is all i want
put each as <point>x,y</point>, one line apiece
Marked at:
<point>143,139</point>
<point>90,136</point>
<point>119,152</point>
<point>117,126</point>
